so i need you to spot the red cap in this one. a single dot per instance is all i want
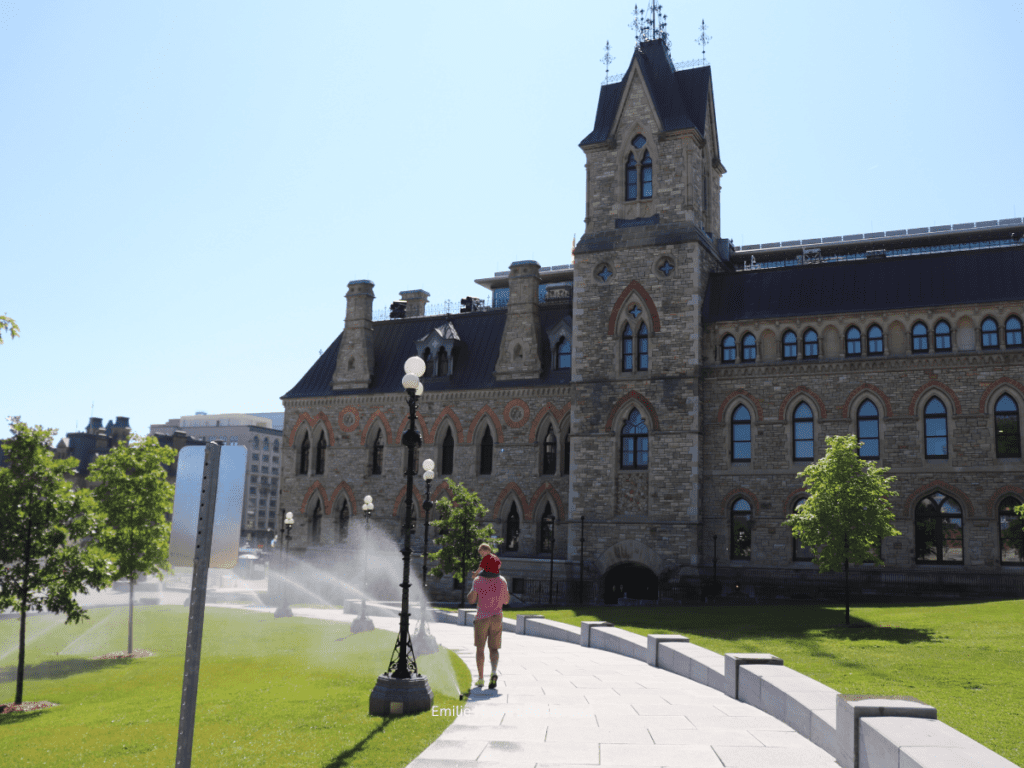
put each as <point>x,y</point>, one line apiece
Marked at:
<point>490,563</point>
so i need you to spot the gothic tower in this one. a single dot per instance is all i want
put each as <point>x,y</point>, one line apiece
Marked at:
<point>651,241</point>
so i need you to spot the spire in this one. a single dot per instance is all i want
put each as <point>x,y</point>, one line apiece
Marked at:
<point>649,24</point>
<point>607,59</point>
<point>704,39</point>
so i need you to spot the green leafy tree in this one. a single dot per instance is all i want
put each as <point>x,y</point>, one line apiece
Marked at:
<point>137,499</point>
<point>459,533</point>
<point>1015,535</point>
<point>848,510</point>
<point>47,551</point>
<point>7,324</point>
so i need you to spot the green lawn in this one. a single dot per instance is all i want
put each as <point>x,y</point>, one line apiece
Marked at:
<point>282,692</point>
<point>963,659</point>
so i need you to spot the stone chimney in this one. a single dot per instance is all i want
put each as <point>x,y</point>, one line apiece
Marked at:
<point>120,430</point>
<point>95,426</point>
<point>519,357</point>
<point>354,366</point>
<point>415,302</point>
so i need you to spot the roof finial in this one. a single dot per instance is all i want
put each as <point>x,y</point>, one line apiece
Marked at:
<point>607,59</point>
<point>704,39</point>
<point>650,24</point>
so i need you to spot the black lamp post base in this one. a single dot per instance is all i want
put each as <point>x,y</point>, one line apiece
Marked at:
<point>392,696</point>
<point>361,624</point>
<point>283,612</point>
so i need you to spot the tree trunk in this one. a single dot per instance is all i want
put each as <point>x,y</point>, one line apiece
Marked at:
<point>24,601</point>
<point>131,611</point>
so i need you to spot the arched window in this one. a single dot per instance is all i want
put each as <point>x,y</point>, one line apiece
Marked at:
<point>741,434</point>
<point>321,454</point>
<point>314,523</point>
<point>563,353</point>
<point>377,456</point>
<point>749,348</point>
<point>255,444</point>
<point>304,455</point>
<point>641,347</point>
<point>919,337</point>
<point>943,338</point>
<point>512,529</point>
<point>1011,533</point>
<point>789,346</point>
<point>631,177</point>
<point>867,430</point>
<point>547,529</point>
<point>810,344</point>
<point>1007,428</point>
<point>989,334</point>
<point>442,362</point>
<point>426,361</point>
<point>1013,332</point>
<point>565,455</point>
<point>486,452</point>
<point>935,442</point>
<point>741,524</point>
<point>627,349</point>
<point>266,444</point>
<point>852,341</point>
<point>549,459</point>
<point>277,446</point>
<point>728,349</point>
<point>447,453</point>
<point>801,554</point>
<point>939,530</point>
<point>803,433</point>
<point>343,519</point>
<point>646,176</point>
<point>875,342</point>
<point>634,452</point>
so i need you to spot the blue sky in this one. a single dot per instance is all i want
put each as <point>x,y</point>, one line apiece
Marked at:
<point>187,188</point>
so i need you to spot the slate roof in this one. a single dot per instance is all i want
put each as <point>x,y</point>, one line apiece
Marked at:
<point>680,98</point>
<point>968,277</point>
<point>475,357</point>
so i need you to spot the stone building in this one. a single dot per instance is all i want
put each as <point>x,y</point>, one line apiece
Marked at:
<point>692,381</point>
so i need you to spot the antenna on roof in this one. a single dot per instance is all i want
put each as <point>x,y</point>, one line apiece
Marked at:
<point>606,60</point>
<point>650,24</point>
<point>704,39</point>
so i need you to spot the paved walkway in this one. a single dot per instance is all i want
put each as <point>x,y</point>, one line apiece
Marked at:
<point>562,705</point>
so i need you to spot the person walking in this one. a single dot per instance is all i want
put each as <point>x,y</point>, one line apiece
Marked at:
<point>489,593</point>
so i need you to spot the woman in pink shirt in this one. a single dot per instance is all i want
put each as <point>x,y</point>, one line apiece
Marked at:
<point>491,590</point>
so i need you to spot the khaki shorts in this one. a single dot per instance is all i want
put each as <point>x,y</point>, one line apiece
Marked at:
<point>488,631</point>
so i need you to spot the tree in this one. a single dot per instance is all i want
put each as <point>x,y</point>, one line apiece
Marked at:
<point>848,510</point>
<point>137,499</point>
<point>7,324</point>
<point>47,555</point>
<point>460,533</point>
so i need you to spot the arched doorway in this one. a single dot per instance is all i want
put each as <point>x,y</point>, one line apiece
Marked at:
<point>630,580</point>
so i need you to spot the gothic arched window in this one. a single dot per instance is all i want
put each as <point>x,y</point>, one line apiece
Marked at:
<point>1013,332</point>
<point>810,344</point>
<point>563,353</point>
<point>749,348</point>
<point>549,459</point>
<point>1011,533</point>
<point>989,334</point>
<point>875,342</point>
<point>939,530</point>
<point>646,176</point>
<point>343,519</point>
<point>728,349</point>
<point>852,341</point>
<point>789,346</point>
<point>547,529</point>
<point>943,337</point>
<point>741,525</point>
<point>377,456</point>
<point>803,433</point>
<point>741,434</point>
<point>426,362</point>
<point>512,529</point>
<point>447,453</point>
<point>631,177</point>
<point>634,453</point>
<point>867,430</point>
<point>314,523</point>
<point>801,554</point>
<point>1007,428</point>
<point>304,455</point>
<point>442,362</point>
<point>321,454</point>
<point>641,347</point>
<point>919,337</point>
<point>486,452</point>
<point>935,434</point>
<point>627,349</point>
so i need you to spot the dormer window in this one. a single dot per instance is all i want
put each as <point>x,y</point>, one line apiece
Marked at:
<point>442,362</point>
<point>564,353</point>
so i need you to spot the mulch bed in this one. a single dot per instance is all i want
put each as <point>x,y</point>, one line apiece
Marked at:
<point>27,706</point>
<point>137,654</point>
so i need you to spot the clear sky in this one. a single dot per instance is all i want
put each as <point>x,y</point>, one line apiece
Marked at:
<point>187,188</point>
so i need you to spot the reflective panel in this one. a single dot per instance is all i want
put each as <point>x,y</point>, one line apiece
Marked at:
<point>227,514</point>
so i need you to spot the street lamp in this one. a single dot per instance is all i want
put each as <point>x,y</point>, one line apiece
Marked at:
<point>551,572</point>
<point>286,531</point>
<point>402,690</point>
<point>424,641</point>
<point>364,622</point>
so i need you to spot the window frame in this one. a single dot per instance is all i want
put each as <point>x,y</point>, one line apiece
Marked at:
<point>853,342</point>
<point>546,540</point>
<point>728,348</point>
<point>922,337</point>
<point>448,453</point>
<point>1018,332</point>
<point>377,454</point>
<point>752,348</point>
<point>872,339</point>
<point>486,464</point>
<point>631,178</point>
<point>646,176</point>
<point>642,348</point>
<point>635,438</point>
<point>815,342</point>
<point>802,420</point>
<point>990,338</point>
<point>563,354</point>
<point>627,349</point>
<point>1005,511</point>
<point>1016,425</point>
<point>549,452</point>
<point>512,542</point>
<point>944,339</point>
<point>798,548</point>
<point>787,345</point>
<point>734,423</point>
<point>939,515</point>
<point>734,512</point>
<point>935,417</point>
<point>877,419</point>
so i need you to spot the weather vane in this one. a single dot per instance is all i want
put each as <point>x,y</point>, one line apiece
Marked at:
<point>607,59</point>
<point>650,24</point>
<point>704,39</point>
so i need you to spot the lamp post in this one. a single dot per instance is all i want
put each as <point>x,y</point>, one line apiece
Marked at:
<point>424,642</point>
<point>286,531</point>
<point>582,518</point>
<point>364,623</point>
<point>402,690</point>
<point>551,572</point>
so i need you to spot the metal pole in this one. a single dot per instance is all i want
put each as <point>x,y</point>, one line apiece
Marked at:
<point>551,571</point>
<point>582,519</point>
<point>411,439</point>
<point>427,506</point>
<point>197,607</point>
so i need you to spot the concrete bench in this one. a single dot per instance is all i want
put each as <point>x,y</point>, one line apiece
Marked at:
<point>619,641</point>
<point>552,630</point>
<point>902,742</point>
<point>801,702</point>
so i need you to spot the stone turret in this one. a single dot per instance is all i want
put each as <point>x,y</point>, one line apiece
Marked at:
<point>519,357</point>
<point>354,367</point>
<point>415,302</point>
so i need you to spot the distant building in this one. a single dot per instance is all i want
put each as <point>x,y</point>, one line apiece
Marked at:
<point>256,432</point>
